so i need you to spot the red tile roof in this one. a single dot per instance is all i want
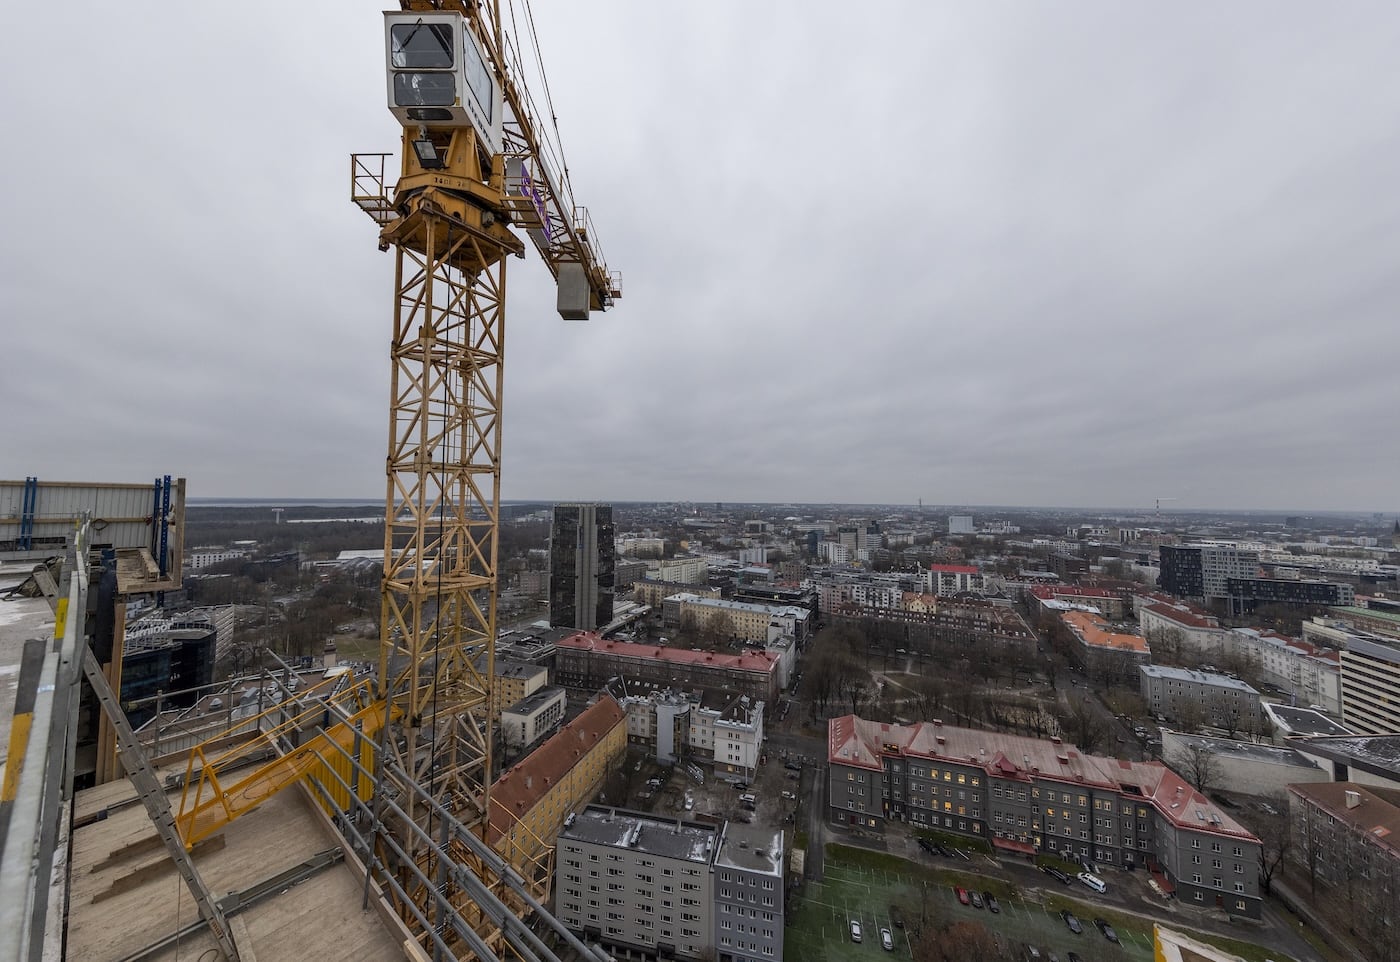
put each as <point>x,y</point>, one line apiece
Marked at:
<point>956,569</point>
<point>856,742</point>
<point>1183,614</point>
<point>1096,634</point>
<point>522,786</point>
<point>760,661</point>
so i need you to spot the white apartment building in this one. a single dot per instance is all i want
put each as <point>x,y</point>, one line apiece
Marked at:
<point>690,571</point>
<point>533,717</point>
<point>1312,675</point>
<point>953,579</point>
<point>960,524</point>
<point>710,727</point>
<point>1198,631</point>
<point>1371,685</point>
<point>834,552</point>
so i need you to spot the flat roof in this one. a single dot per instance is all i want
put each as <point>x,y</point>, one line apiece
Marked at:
<point>751,848</point>
<point>663,837</point>
<point>536,700</point>
<point>1227,748</point>
<point>1305,721</point>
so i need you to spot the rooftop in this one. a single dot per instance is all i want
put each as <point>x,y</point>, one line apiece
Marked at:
<point>857,742</point>
<point>1304,721</point>
<point>1376,811</point>
<point>536,700</point>
<point>663,837</point>
<point>1183,615</point>
<point>1096,633</point>
<point>751,848</point>
<point>1199,677</point>
<point>1377,754</point>
<point>1227,748</point>
<point>526,782</point>
<point>760,661</point>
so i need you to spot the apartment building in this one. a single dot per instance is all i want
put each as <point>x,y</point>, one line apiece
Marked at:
<point>1030,795</point>
<point>1181,629</point>
<point>1200,571</point>
<point>651,592</point>
<point>586,660</point>
<point>1346,836</point>
<point>1104,654</point>
<point>1183,695</point>
<point>953,579</point>
<point>641,885</point>
<point>532,717</point>
<point>1371,685</point>
<point>1109,603</point>
<point>744,620</point>
<point>1311,675</point>
<point>690,571</point>
<point>748,887</point>
<point>530,800</point>
<point>512,682</point>
<point>711,727</point>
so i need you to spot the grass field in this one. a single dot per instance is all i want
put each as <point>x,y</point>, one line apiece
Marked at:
<point>869,886</point>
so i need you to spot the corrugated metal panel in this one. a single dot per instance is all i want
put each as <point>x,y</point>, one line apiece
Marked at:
<point>120,511</point>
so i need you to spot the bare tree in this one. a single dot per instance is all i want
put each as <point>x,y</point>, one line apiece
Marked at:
<point>958,942</point>
<point>1197,765</point>
<point>1276,842</point>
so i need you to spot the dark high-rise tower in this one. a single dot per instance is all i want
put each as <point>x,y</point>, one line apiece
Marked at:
<point>582,558</point>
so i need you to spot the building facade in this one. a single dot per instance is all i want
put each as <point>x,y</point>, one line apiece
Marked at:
<point>530,801</point>
<point>1028,795</point>
<point>1183,695</point>
<point>585,660</point>
<point>953,579</point>
<point>532,717</point>
<point>1371,685</point>
<point>582,559</point>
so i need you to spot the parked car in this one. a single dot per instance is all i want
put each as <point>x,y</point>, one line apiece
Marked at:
<point>991,900</point>
<point>1093,882</point>
<point>1073,957</point>
<point>886,940</point>
<point>938,847</point>
<point>791,795</point>
<point>962,896</point>
<point>792,766</point>
<point>1107,930</point>
<point>896,916</point>
<point>1032,954</point>
<point>793,776</point>
<point>1072,922</point>
<point>976,898</point>
<point>855,931</point>
<point>927,846</point>
<point>1055,873</point>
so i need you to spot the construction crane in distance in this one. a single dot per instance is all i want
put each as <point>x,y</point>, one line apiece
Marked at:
<point>1159,505</point>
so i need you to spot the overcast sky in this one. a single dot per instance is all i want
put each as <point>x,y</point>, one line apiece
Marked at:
<point>1032,253</point>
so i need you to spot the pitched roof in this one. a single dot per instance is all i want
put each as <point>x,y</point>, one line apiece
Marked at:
<point>760,661</point>
<point>856,742</point>
<point>1096,633</point>
<point>522,786</point>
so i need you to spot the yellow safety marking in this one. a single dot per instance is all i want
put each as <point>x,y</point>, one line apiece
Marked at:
<point>61,613</point>
<point>19,743</point>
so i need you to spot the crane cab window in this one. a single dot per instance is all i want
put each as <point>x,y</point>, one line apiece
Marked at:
<point>421,46</point>
<point>424,89</point>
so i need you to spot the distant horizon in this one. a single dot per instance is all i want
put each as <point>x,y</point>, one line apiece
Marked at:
<point>1367,514</point>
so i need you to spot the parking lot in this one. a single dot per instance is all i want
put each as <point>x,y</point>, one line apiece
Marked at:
<point>819,930</point>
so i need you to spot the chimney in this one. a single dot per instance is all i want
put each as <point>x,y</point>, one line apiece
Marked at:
<point>328,655</point>
<point>1353,799</point>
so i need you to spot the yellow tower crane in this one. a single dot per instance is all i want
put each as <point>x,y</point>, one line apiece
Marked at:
<point>475,169</point>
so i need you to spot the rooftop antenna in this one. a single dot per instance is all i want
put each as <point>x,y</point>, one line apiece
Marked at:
<point>1159,505</point>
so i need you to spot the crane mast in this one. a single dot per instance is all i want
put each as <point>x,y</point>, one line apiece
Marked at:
<point>473,169</point>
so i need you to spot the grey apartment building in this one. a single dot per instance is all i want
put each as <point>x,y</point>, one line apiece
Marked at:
<point>1223,702</point>
<point>649,887</point>
<point>1031,795</point>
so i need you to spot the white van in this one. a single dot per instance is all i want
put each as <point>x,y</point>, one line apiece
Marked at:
<point>1093,881</point>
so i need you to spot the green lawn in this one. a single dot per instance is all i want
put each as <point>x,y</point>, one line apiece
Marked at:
<point>868,886</point>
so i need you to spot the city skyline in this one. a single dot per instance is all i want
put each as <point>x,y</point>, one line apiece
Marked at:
<point>979,254</point>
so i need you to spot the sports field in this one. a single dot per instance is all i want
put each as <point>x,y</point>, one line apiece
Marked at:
<point>872,888</point>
